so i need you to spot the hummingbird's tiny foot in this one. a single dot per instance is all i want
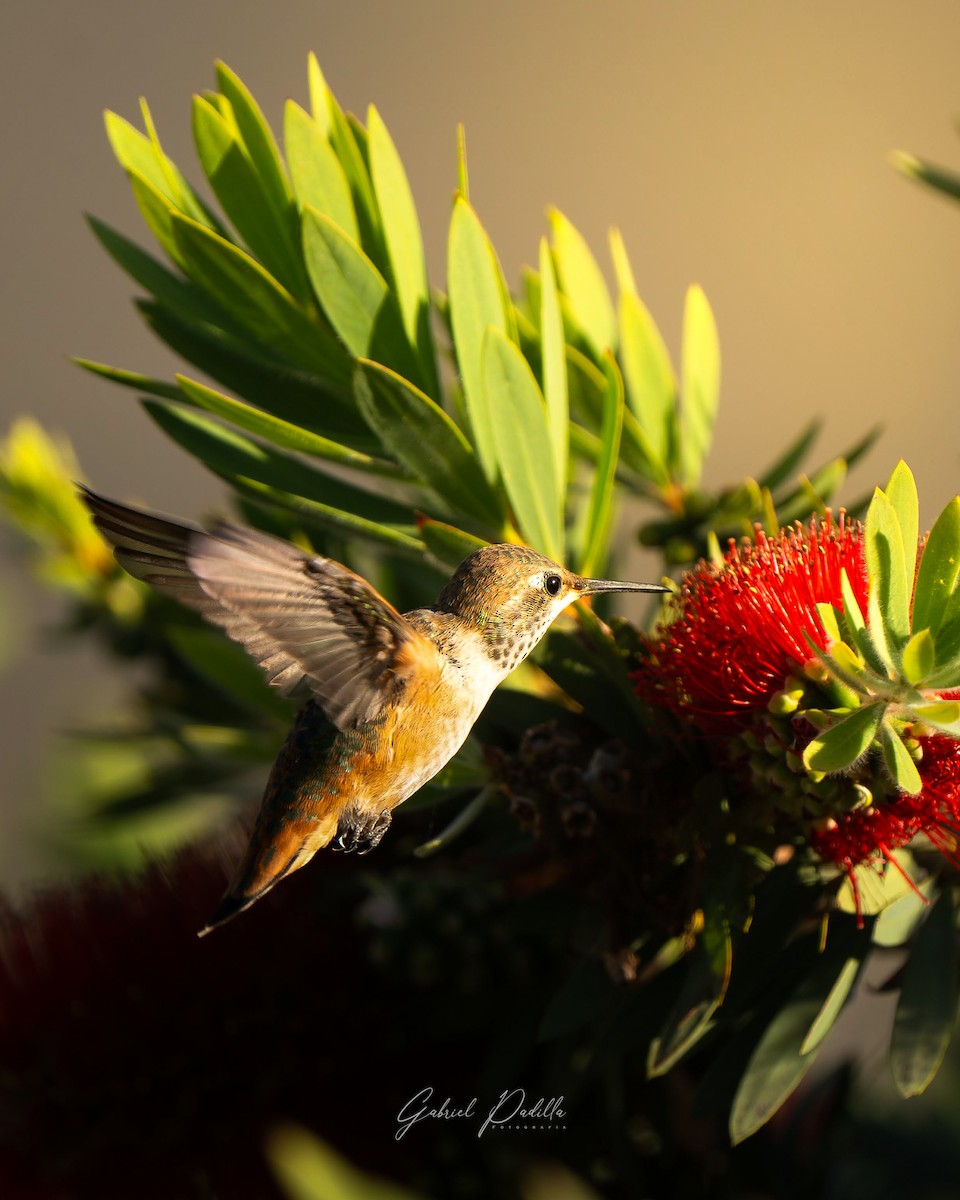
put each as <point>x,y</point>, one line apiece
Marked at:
<point>360,833</point>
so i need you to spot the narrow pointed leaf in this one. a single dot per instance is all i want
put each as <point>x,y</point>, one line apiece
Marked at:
<point>404,242</point>
<point>623,272</point>
<point>345,521</point>
<point>583,285</point>
<point>845,742</point>
<point>266,223</point>
<point>319,96</point>
<point>518,410</point>
<point>130,379</point>
<point>700,383</point>
<point>157,212</point>
<point>788,462</point>
<point>230,454</point>
<point>286,434</point>
<point>599,518</point>
<point>901,491</point>
<point>178,294</point>
<point>778,1062</point>
<point>927,1009</point>
<point>890,589</point>
<point>832,1005</point>
<point>255,299</point>
<point>248,369</point>
<point>554,365</point>
<point>420,435</point>
<point>926,172</point>
<point>344,141</point>
<point>939,570</point>
<point>354,295</point>
<point>143,155</point>
<point>857,626</point>
<point>446,544</point>
<point>899,762</point>
<point>919,657</point>
<point>475,296</point>
<point>648,375</point>
<point>257,138</point>
<point>318,178</point>
<point>692,1013</point>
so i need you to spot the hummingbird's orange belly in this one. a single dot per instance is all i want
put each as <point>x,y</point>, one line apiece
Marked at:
<point>416,739</point>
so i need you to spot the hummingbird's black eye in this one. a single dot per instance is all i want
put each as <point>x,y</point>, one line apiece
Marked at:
<point>552,583</point>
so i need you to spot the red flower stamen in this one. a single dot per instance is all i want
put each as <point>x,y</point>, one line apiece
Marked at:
<point>740,630</point>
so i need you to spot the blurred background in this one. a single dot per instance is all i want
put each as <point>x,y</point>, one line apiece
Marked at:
<point>742,145</point>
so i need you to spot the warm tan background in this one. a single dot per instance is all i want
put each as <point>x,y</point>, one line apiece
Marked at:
<point>740,143</point>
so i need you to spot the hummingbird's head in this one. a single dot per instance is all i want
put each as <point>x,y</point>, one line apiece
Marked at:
<point>511,595</point>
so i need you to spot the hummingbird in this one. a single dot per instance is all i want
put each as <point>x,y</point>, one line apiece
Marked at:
<point>392,696</point>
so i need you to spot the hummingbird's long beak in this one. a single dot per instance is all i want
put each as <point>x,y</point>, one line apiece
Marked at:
<point>593,586</point>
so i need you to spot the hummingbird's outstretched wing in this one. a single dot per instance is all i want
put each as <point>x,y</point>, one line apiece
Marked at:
<point>299,616</point>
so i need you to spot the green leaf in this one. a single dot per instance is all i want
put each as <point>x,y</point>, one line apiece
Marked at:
<point>426,441</point>
<point>778,1061</point>
<point>258,139</point>
<point>157,212</point>
<point>901,491</point>
<point>623,272</point>
<point>309,1169</point>
<point>178,294</point>
<point>899,762</point>
<point>926,172</point>
<point>583,285</point>
<point>343,138</point>
<point>919,657</point>
<point>144,156</point>
<point>285,434</point>
<point>461,822</point>
<point>600,511</point>
<point>316,173</point>
<point>518,412</point>
<point>255,299</point>
<point>554,366</point>
<point>936,587</point>
<point>648,374</point>
<point>789,461</point>
<point>692,1013</point>
<point>832,1005</point>
<point>890,589</point>
<point>446,544</point>
<point>266,222</point>
<point>343,521</point>
<point>404,242</point>
<point>475,294</point>
<point>857,626</point>
<point>228,667</point>
<point>700,383</point>
<point>246,368</point>
<point>130,379</point>
<point>231,454</point>
<point>846,741</point>
<point>927,1009</point>
<point>896,924</point>
<point>354,295</point>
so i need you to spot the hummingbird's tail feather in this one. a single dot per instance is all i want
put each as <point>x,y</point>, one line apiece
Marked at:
<point>259,874</point>
<point>238,899</point>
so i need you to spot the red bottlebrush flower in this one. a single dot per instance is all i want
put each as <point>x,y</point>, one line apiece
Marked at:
<point>882,828</point>
<point>739,638</point>
<point>739,633</point>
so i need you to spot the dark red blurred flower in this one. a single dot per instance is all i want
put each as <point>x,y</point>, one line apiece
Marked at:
<point>139,1061</point>
<point>740,629</point>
